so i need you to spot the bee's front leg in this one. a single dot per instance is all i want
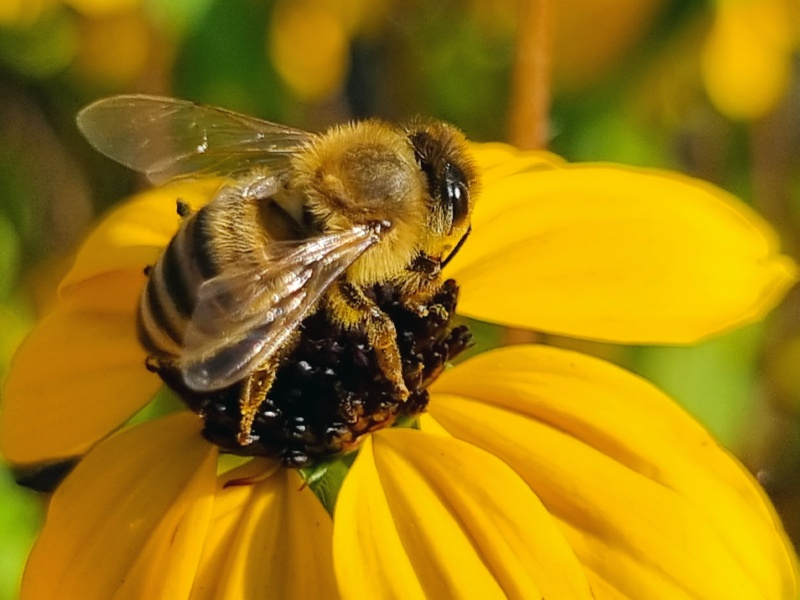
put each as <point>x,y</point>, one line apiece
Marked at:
<point>418,290</point>
<point>350,307</point>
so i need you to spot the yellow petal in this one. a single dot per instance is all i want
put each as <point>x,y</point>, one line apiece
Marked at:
<point>427,516</point>
<point>79,375</point>
<point>130,519</point>
<point>269,538</point>
<point>495,160</point>
<point>653,507</point>
<point>618,254</point>
<point>134,235</point>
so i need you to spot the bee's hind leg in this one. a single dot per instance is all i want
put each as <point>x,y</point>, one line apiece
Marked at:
<point>254,392</point>
<point>256,387</point>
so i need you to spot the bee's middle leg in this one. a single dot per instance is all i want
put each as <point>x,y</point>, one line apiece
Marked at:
<point>353,309</point>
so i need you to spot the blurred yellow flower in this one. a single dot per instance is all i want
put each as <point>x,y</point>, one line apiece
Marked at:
<point>748,57</point>
<point>104,41</point>
<point>113,49</point>
<point>102,8</point>
<point>537,473</point>
<point>308,47</point>
<point>309,42</point>
<point>19,13</point>
<point>578,64</point>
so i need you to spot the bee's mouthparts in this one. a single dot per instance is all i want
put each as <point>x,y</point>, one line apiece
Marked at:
<point>379,227</point>
<point>424,263</point>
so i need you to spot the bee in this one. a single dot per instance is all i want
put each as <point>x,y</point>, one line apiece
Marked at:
<point>302,221</point>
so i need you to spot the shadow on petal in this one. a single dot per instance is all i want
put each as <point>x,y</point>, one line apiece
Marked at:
<point>653,507</point>
<point>130,519</point>
<point>426,516</point>
<point>496,160</point>
<point>78,376</point>
<point>269,537</point>
<point>134,234</point>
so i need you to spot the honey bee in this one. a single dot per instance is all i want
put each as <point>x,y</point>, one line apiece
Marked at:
<point>302,221</point>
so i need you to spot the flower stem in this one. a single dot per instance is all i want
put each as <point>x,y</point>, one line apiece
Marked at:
<point>530,98</point>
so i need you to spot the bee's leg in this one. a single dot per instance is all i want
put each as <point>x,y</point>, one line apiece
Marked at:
<point>418,303</point>
<point>254,392</point>
<point>353,309</point>
<point>153,363</point>
<point>256,387</point>
<point>419,288</point>
<point>156,363</point>
<point>183,208</point>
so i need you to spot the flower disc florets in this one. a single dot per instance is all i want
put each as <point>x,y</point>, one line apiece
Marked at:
<point>330,391</point>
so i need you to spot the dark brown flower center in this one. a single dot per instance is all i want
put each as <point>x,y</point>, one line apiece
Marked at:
<point>330,391</point>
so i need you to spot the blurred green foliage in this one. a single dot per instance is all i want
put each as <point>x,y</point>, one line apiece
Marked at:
<point>20,519</point>
<point>638,98</point>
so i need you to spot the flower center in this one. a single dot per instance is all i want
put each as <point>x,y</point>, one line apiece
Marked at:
<point>330,391</point>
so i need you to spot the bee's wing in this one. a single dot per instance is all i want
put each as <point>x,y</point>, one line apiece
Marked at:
<point>166,137</point>
<point>245,315</point>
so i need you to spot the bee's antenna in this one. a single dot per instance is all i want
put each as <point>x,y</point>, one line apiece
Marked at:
<point>458,247</point>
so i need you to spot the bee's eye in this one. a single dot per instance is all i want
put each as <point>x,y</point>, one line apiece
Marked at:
<point>456,195</point>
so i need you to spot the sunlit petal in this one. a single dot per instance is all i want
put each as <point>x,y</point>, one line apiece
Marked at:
<point>78,376</point>
<point>653,507</point>
<point>495,160</point>
<point>130,520</point>
<point>269,537</point>
<point>427,516</point>
<point>133,235</point>
<point>619,254</point>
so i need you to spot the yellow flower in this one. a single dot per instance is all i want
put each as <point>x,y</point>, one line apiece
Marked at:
<point>308,42</point>
<point>748,57</point>
<point>22,12</point>
<point>536,473</point>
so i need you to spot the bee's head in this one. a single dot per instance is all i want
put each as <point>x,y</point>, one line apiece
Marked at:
<point>451,181</point>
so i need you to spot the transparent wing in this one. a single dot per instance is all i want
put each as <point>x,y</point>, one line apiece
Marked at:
<point>246,314</point>
<point>166,137</point>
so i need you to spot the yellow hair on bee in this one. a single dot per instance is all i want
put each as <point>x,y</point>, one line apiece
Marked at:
<point>360,173</point>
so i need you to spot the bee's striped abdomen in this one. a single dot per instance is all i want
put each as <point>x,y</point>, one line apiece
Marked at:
<point>169,296</point>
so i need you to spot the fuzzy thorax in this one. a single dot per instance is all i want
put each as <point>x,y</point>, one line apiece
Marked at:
<point>360,173</point>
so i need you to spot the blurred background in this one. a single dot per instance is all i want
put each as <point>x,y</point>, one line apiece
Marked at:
<point>706,88</point>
